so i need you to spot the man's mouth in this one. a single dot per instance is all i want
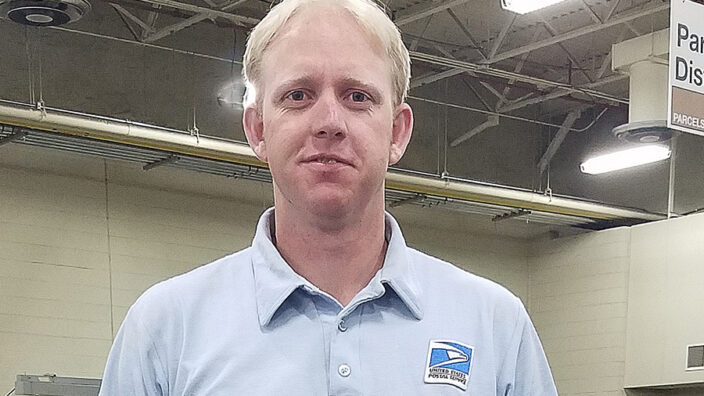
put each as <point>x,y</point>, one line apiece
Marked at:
<point>326,160</point>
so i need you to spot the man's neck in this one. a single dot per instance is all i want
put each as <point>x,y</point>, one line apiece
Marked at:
<point>340,260</point>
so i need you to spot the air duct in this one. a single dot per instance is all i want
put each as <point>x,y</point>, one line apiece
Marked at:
<point>644,60</point>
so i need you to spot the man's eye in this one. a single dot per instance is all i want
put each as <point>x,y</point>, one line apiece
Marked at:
<point>297,95</point>
<point>359,97</point>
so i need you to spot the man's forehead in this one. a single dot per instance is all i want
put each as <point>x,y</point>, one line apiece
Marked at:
<point>312,19</point>
<point>321,41</point>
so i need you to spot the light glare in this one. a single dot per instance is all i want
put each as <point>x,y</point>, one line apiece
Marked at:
<point>625,159</point>
<point>525,6</point>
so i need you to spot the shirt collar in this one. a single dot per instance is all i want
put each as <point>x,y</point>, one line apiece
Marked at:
<point>275,280</point>
<point>398,271</point>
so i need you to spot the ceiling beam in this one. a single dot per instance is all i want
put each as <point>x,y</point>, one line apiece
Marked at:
<point>416,40</point>
<point>171,29</point>
<point>557,140</point>
<point>467,34</point>
<point>540,83</point>
<point>232,5</point>
<point>608,22</point>
<point>131,16</point>
<point>561,93</point>
<point>606,64</point>
<point>501,37</point>
<point>579,32</point>
<point>517,69</point>
<point>571,58</point>
<point>432,77</point>
<point>211,13</point>
<point>591,12</point>
<point>152,17</point>
<point>423,10</point>
<point>492,121</point>
<point>483,83</point>
<point>612,10</point>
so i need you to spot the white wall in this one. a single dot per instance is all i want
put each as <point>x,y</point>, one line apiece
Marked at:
<point>580,299</point>
<point>578,296</point>
<point>666,301</point>
<point>80,239</point>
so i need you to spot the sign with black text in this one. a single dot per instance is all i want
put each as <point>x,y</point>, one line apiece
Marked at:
<point>686,82</point>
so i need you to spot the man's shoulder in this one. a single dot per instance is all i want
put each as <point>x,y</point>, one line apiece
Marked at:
<point>220,268</point>
<point>194,284</point>
<point>445,278</point>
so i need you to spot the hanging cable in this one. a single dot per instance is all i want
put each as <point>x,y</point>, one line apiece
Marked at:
<point>40,103</point>
<point>30,73</point>
<point>445,173</point>
<point>439,145</point>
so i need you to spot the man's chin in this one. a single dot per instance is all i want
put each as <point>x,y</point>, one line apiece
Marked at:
<point>322,201</point>
<point>330,206</point>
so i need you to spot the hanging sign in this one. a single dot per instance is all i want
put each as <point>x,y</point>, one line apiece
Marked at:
<point>686,82</point>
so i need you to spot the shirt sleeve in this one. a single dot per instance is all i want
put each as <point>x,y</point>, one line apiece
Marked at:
<point>526,371</point>
<point>134,366</point>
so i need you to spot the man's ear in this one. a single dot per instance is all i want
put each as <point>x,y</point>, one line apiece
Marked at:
<point>401,132</point>
<point>253,125</point>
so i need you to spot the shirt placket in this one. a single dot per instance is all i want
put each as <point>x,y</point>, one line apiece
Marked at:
<point>345,368</point>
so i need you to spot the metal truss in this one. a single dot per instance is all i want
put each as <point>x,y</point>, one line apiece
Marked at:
<point>424,10</point>
<point>148,33</point>
<point>596,82</point>
<point>556,142</point>
<point>144,30</point>
<point>559,89</point>
<point>458,66</point>
<point>620,19</point>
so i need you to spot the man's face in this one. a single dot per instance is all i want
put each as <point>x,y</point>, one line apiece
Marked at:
<point>327,123</point>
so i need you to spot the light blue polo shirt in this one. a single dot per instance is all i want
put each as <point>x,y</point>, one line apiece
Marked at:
<point>247,324</point>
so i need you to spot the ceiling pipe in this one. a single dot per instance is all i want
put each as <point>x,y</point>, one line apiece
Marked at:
<point>179,142</point>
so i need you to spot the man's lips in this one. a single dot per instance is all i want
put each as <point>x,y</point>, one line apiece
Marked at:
<point>326,159</point>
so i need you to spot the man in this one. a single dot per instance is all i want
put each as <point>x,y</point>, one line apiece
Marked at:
<point>328,299</point>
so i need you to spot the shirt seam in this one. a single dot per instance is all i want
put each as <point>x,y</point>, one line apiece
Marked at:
<point>519,326</point>
<point>158,356</point>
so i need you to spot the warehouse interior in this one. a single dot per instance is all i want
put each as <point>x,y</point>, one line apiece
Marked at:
<point>506,106</point>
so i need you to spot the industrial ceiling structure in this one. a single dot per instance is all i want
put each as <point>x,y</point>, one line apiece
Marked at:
<point>500,99</point>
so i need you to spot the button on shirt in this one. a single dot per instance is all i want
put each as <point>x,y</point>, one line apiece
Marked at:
<point>247,324</point>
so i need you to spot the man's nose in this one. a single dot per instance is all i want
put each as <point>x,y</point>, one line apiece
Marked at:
<point>328,118</point>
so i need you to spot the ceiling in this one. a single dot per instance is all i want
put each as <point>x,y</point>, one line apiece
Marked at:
<point>177,64</point>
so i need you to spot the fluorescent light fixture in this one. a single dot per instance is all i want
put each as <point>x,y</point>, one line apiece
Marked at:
<point>625,159</point>
<point>525,6</point>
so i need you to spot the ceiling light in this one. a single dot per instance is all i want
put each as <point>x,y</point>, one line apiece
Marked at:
<point>625,159</point>
<point>43,12</point>
<point>524,6</point>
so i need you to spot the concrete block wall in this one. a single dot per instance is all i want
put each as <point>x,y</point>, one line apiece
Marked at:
<point>54,277</point>
<point>78,247</point>
<point>81,239</point>
<point>578,290</point>
<point>156,234</point>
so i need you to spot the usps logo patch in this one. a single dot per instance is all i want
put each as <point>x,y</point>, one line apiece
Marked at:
<point>449,362</point>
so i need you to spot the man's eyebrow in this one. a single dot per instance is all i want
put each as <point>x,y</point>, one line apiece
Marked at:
<point>371,89</point>
<point>308,81</point>
<point>303,81</point>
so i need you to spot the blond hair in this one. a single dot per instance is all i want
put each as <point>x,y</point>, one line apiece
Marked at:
<point>371,19</point>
